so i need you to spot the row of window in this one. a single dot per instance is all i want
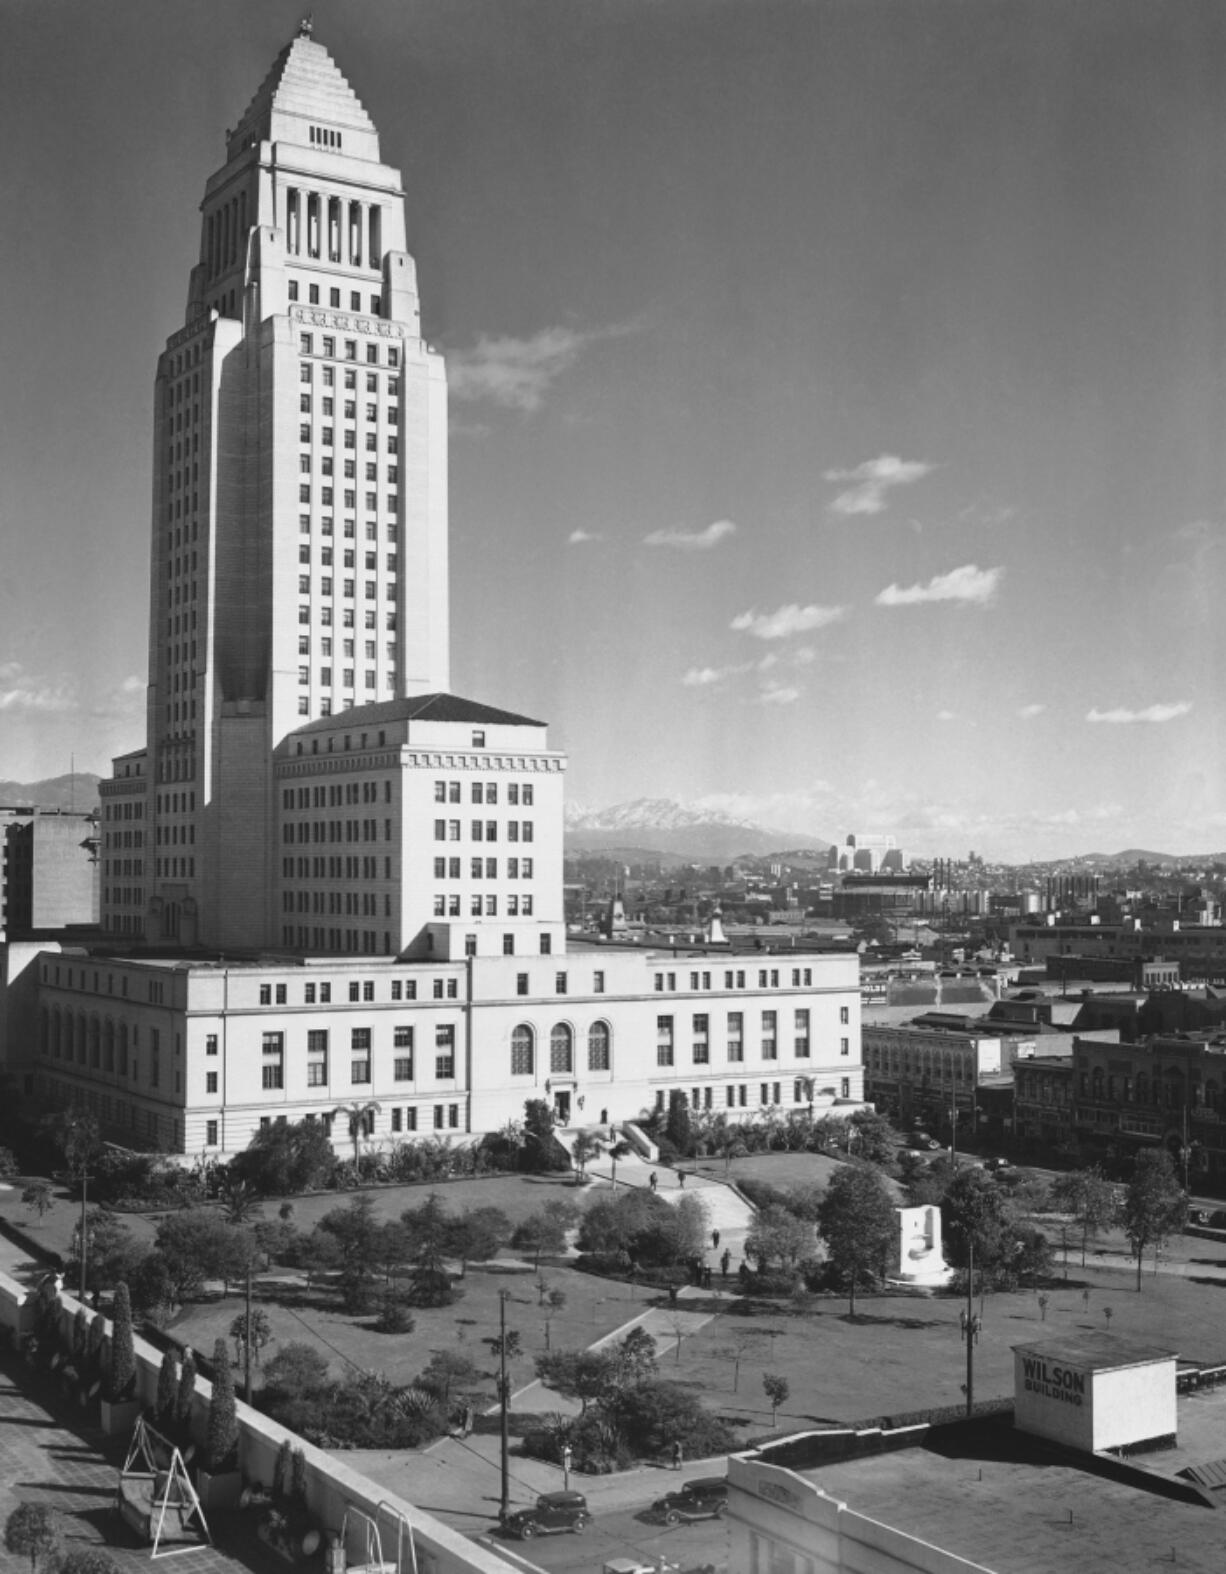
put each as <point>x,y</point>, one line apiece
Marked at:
<point>359,991</point>
<point>349,349</point>
<point>701,1037</point>
<point>736,1094</point>
<point>483,868</point>
<point>738,978</point>
<point>484,830</point>
<point>401,1119</point>
<point>484,907</point>
<point>484,792</point>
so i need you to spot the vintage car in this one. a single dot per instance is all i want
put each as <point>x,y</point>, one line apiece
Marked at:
<point>552,1513</point>
<point>706,1497</point>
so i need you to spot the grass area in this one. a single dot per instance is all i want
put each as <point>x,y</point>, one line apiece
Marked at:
<point>594,1307</point>
<point>777,1169</point>
<point>906,1353</point>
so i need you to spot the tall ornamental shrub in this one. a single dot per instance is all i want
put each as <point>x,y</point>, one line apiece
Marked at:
<point>186,1395</point>
<point>221,1439</point>
<point>168,1389</point>
<point>121,1376</point>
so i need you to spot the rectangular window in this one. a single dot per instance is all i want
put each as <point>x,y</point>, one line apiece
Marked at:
<point>598,983</point>
<point>664,1041</point>
<point>210,1044</point>
<point>402,1068</point>
<point>736,1035</point>
<point>844,1014</point>
<point>210,1082</point>
<point>396,1121</point>
<point>801,1044</point>
<point>359,1072</point>
<point>210,1133</point>
<point>844,1046</point>
<point>444,1060</point>
<point>559,983</point>
<point>770,1041</point>
<point>521,983</point>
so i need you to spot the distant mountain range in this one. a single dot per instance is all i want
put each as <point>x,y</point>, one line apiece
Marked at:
<point>79,792</point>
<point>663,827</point>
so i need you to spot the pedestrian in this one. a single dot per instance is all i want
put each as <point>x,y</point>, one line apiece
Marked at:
<point>715,1240</point>
<point>672,1295</point>
<point>706,1278</point>
<point>653,1180</point>
<point>566,1459</point>
<point>677,1455</point>
<point>681,1179</point>
<point>725,1262</point>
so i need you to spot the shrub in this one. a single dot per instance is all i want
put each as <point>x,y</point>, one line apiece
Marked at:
<point>184,1399</point>
<point>394,1314</point>
<point>221,1439</point>
<point>167,1392</point>
<point>32,1531</point>
<point>88,1560</point>
<point>121,1376</point>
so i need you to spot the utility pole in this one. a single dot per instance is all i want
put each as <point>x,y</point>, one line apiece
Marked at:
<point>247,1340</point>
<point>504,1398</point>
<point>85,1232</point>
<point>953,1130</point>
<point>970,1325</point>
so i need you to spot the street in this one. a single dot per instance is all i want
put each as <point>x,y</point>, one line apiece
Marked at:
<point>622,1533</point>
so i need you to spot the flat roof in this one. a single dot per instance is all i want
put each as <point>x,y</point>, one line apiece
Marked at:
<point>1099,1352</point>
<point>1011,1503</point>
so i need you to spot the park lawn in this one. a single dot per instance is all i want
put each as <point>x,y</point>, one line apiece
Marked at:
<point>906,1353</point>
<point>517,1195</point>
<point>783,1170</point>
<point>594,1307</point>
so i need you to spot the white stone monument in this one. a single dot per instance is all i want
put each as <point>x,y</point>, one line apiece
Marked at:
<point>921,1263</point>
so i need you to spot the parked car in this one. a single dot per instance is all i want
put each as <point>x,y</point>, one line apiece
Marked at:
<point>706,1497</point>
<point>552,1513</point>
<point>997,1164</point>
<point>656,1566</point>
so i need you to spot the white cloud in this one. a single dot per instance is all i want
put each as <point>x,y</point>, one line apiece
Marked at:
<point>26,691</point>
<point>692,540</point>
<point>1152,713</point>
<point>1029,712</point>
<point>872,480</point>
<point>803,656</point>
<point>704,677</point>
<point>778,695</point>
<point>576,537</point>
<point>947,715</point>
<point>969,584</point>
<point>518,373</point>
<point>132,685</point>
<point>787,620</point>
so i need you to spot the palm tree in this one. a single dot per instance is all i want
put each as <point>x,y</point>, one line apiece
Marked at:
<point>356,1114</point>
<point>621,1149</point>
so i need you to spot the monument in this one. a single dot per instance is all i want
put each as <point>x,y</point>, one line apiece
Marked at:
<point>921,1263</point>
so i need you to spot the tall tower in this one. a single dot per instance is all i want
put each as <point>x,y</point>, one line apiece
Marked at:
<point>299,531</point>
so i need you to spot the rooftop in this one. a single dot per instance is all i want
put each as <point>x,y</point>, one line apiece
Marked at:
<point>1013,1504</point>
<point>417,707</point>
<point>1097,1352</point>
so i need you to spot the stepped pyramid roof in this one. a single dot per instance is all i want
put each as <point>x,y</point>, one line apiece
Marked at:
<point>305,86</point>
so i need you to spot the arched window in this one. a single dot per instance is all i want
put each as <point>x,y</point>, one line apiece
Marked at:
<point>523,1051</point>
<point>561,1049</point>
<point>598,1047</point>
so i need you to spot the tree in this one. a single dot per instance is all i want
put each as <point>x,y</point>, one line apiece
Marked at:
<point>585,1375</point>
<point>239,1199</point>
<point>621,1149</point>
<point>875,1140</point>
<point>259,1336</point>
<point>776,1390</point>
<point>39,1197</point>
<point>196,1244</point>
<point>777,1236</point>
<point>859,1225</point>
<point>32,1531</point>
<point>637,1361</point>
<point>678,1127</point>
<point>541,1151</point>
<point>186,1397</point>
<point>430,1232</point>
<point>111,1250</point>
<point>1090,1198</point>
<point>221,1437</point>
<point>1155,1205</point>
<point>539,1233</point>
<point>354,1229</point>
<point>283,1160</point>
<point>975,1213</point>
<point>358,1114</point>
<point>297,1370</point>
<point>121,1378</point>
<point>167,1390</point>
<point>584,1148</point>
<point>926,1183</point>
<point>478,1235</point>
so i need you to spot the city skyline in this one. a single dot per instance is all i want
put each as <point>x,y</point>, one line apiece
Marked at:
<point>835,391</point>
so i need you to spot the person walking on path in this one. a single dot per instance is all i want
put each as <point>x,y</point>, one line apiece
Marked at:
<point>714,1240</point>
<point>677,1454</point>
<point>725,1262</point>
<point>653,1180</point>
<point>681,1179</point>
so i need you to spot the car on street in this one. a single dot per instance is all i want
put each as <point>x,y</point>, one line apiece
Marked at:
<point>552,1513</point>
<point>656,1566</point>
<point>997,1164</point>
<point>706,1497</point>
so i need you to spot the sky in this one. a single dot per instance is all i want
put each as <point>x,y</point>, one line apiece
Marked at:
<point>836,388</point>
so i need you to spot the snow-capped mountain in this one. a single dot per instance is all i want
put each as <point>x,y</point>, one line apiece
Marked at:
<point>662,825</point>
